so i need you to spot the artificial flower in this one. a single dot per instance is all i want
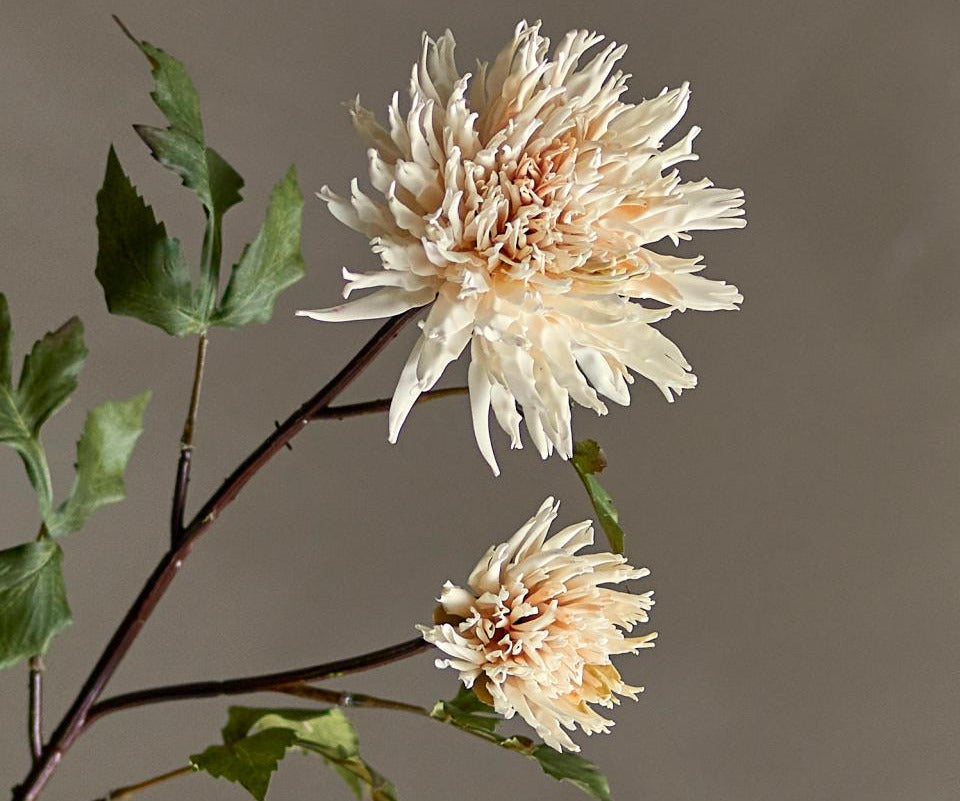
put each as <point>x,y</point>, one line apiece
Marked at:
<point>520,205</point>
<point>533,632</point>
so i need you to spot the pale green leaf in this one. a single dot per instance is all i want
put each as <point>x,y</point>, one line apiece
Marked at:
<point>109,435</point>
<point>327,732</point>
<point>33,600</point>
<point>588,460</point>
<point>269,264</point>
<point>248,761</point>
<point>143,273</point>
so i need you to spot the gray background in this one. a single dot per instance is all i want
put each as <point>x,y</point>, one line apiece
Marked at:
<point>798,510</point>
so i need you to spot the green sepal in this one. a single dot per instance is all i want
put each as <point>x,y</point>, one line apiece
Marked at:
<point>105,446</point>
<point>142,272</point>
<point>269,264</point>
<point>256,739</point>
<point>33,600</point>
<point>471,715</point>
<point>589,460</point>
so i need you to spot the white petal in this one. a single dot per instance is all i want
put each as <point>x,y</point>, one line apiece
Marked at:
<point>479,386</point>
<point>406,393</point>
<point>383,303</point>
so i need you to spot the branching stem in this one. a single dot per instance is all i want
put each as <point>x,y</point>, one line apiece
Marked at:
<point>131,789</point>
<point>159,581</point>
<point>381,405</point>
<point>279,682</point>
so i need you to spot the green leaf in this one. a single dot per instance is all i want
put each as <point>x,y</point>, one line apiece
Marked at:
<point>471,715</point>
<point>33,600</point>
<point>105,447</point>
<point>248,761</point>
<point>326,732</point>
<point>200,168</point>
<point>588,460</point>
<point>142,272</point>
<point>49,374</point>
<point>48,378</point>
<point>269,264</point>
<point>181,147</point>
<point>575,769</point>
<point>468,712</point>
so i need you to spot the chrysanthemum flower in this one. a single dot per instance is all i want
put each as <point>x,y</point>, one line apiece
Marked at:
<point>534,633</point>
<point>521,206</point>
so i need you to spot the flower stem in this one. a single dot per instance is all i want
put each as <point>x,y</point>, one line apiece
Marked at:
<point>186,446</point>
<point>270,682</point>
<point>159,581</point>
<point>131,789</point>
<point>35,713</point>
<point>349,699</point>
<point>381,405</point>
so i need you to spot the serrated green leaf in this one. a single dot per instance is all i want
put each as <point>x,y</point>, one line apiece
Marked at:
<point>182,147</point>
<point>269,264</point>
<point>588,460</point>
<point>327,732</point>
<point>142,272</point>
<point>173,89</point>
<point>33,600</point>
<point>575,769</point>
<point>471,715</point>
<point>200,168</point>
<point>48,378</point>
<point>109,435</point>
<point>49,374</point>
<point>248,761</point>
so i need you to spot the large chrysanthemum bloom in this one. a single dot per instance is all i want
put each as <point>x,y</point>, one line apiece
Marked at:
<point>534,632</point>
<point>521,206</point>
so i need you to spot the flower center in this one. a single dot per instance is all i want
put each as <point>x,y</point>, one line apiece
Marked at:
<point>521,214</point>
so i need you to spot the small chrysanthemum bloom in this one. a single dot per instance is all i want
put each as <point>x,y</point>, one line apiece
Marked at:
<point>522,205</point>
<point>534,633</point>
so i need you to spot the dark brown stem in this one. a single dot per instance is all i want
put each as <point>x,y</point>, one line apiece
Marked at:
<point>35,713</point>
<point>253,684</point>
<point>130,789</point>
<point>73,722</point>
<point>381,405</point>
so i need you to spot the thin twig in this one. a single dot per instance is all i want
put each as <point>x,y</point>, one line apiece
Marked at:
<point>349,699</point>
<point>159,581</point>
<point>186,446</point>
<point>130,789</point>
<point>35,714</point>
<point>252,684</point>
<point>381,405</point>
